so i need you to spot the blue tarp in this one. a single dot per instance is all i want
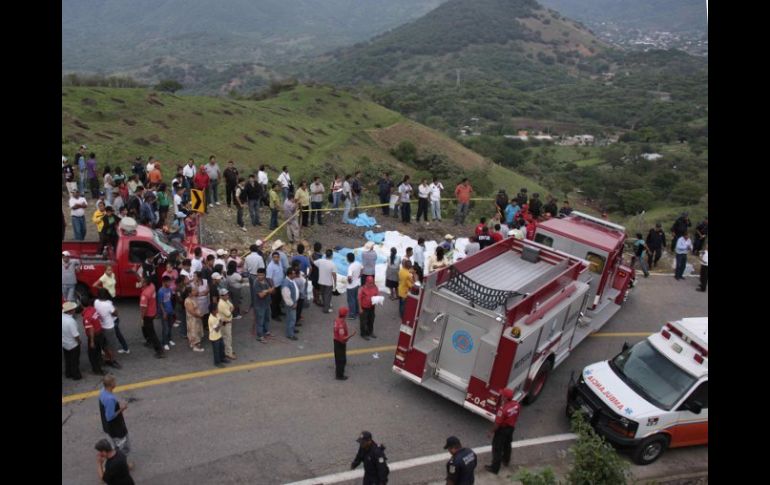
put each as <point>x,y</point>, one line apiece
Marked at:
<point>362,221</point>
<point>341,261</point>
<point>375,237</point>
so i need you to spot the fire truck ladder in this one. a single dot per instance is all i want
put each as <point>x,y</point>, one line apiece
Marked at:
<point>476,293</point>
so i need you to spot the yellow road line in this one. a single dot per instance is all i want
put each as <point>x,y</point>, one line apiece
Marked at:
<point>214,372</point>
<point>622,334</point>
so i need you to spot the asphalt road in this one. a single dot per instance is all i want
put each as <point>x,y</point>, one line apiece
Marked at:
<point>291,421</point>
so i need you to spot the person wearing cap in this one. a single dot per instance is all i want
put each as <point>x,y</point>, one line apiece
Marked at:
<point>373,457</point>
<point>111,411</point>
<point>368,261</point>
<point>463,193</point>
<point>148,309</point>
<point>290,295</point>
<point>279,247</point>
<point>78,204</point>
<point>112,464</point>
<point>70,341</point>
<point>69,268</point>
<point>448,244</point>
<point>341,337</point>
<point>461,467</point>
<point>225,313</point>
<point>502,431</point>
<point>365,295</point>
<point>220,259</point>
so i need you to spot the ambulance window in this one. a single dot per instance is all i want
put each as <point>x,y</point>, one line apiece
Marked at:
<point>597,263</point>
<point>701,394</point>
<point>543,239</point>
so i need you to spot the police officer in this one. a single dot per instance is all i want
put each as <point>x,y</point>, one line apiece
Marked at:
<point>459,468</point>
<point>375,462</point>
<point>507,414</point>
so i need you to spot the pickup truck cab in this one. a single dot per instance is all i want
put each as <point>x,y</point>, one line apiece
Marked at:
<point>651,396</point>
<point>134,243</point>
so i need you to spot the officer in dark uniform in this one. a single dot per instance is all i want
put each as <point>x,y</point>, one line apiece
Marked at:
<point>375,462</point>
<point>505,421</point>
<point>459,468</point>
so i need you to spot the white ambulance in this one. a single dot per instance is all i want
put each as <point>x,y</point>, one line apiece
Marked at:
<point>651,396</point>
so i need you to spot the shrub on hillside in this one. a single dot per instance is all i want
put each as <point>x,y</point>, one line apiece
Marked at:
<point>169,86</point>
<point>595,461</point>
<point>405,152</point>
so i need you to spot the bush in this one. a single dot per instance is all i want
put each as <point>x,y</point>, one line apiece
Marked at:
<point>595,461</point>
<point>405,152</point>
<point>169,86</point>
<point>687,192</point>
<point>636,200</point>
<point>543,477</point>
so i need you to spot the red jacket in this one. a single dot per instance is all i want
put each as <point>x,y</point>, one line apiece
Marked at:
<point>201,180</point>
<point>365,295</point>
<point>341,330</point>
<point>91,320</point>
<point>480,229</point>
<point>497,237</point>
<point>508,414</point>
<point>531,227</point>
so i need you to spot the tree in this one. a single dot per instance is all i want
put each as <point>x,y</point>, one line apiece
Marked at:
<point>405,152</point>
<point>687,192</point>
<point>595,461</point>
<point>636,200</point>
<point>169,86</point>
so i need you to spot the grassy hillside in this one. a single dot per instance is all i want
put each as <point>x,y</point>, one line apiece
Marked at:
<point>313,130</point>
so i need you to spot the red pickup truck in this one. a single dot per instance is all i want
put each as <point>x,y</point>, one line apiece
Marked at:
<point>131,251</point>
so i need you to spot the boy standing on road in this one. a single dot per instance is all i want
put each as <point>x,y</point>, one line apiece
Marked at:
<point>111,412</point>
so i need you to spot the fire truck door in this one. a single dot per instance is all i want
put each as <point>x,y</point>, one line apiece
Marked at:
<point>457,355</point>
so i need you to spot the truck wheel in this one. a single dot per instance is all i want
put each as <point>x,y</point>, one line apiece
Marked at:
<point>539,382</point>
<point>650,449</point>
<point>82,296</point>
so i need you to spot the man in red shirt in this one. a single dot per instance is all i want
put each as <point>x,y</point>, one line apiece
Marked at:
<point>93,327</point>
<point>507,415</point>
<point>341,337</point>
<point>365,295</point>
<point>496,234</point>
<point>463,194</point>
<point>201,182</point>
<point>481,225</point>
<point>148,309</point>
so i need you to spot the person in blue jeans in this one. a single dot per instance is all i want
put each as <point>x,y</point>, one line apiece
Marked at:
<point>261,304</point>
<point>166,304</point>
<point>683,248</point>
<point>290,294</point>
<point>354,282</point>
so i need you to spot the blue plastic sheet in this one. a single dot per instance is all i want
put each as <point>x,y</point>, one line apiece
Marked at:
<point>341,261</point>
<point>375,237</point>
<point>362,221</point>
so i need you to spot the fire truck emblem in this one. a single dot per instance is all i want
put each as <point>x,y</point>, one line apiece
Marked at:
<point>462,341</point>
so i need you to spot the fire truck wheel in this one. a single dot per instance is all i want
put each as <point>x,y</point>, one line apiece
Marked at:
<point>539,382</point>
<point>650,449</point>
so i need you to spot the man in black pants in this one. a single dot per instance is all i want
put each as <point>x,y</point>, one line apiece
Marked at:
<point>656,241</point>
<point>231,180</point>
<point>341,337</point>
<point>148,309</point>
<point>505,422</point>
<point>681,226</point>
<point>384,186</point>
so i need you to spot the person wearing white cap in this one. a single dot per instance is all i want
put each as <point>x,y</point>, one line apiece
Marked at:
<point>225,311</point>
<point>278,247</point>
<point>220,259</point>
<point>70,341</point>
<point>68,277</point>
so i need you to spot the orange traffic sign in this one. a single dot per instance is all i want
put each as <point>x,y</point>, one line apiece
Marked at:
<point>198,200</point>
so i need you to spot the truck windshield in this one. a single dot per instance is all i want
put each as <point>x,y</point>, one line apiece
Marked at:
<point>165,244</point>
<point>652,375</point>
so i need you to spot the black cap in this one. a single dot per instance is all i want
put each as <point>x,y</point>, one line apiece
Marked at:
<point>452,442</point>
<point>364,436</point>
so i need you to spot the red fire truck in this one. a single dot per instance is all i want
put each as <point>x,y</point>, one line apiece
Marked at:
<point>508,315</point>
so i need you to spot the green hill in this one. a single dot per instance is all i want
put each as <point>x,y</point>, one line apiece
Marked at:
<point>313,130</point>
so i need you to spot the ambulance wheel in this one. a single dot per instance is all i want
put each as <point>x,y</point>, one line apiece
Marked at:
<point>539,382</point>
<point>650,449</point>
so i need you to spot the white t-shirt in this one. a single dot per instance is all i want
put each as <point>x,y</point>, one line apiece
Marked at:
<point>284,179</point>
<point>405,189</point>
<point>105,308</point>
<point>69,330</point>
<point>177,204</point>
<point>423,191</point>
<point>354,274</point>
<point>196,265</point>
<point>346,188</point>
<point>253,262</point>
<point>262,177</point>
<point>212,171</point>
<point>150,167</point>
<point>435,191</point>
<point>325,269</point>
<point>188,171</point>
<point>78,212</point>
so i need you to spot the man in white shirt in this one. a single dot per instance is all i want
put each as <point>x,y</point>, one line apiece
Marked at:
<point>327,279</point>
<point>683,248</point>
<point>197,262</point>
<point>285,180</point>
<point>316,200</point>
<point>418,259</point>
<point>346,194</point>
<point>262,178</point>
<point>354,281</point>
<point>423,192</point>
<point>704,269</point>
<point>212,169</point>
<point>435,199</point>
<point>70,341</point>
<point>107,314</point>
<point>188,172</point>
<point>78,205</point>
<point>150,165</point>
